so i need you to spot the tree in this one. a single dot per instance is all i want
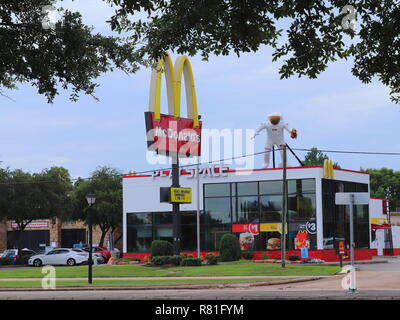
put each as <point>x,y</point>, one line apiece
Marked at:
<point>307,35</point>
<point>385,183</point>
<point>70,56</point>
<point>106,184</point>
<point>316,158</point>
<point>27,197</point>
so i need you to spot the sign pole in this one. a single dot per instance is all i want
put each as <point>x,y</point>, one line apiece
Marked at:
<point>284,209</point>
<point>353,276</point>
<point>198,207</point>
<point>176,216</point>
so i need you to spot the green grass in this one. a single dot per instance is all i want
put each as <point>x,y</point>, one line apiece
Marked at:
<point>126,283</point>
<point>241,269</point>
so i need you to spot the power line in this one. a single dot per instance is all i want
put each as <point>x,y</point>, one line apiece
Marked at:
<point>219,161</point>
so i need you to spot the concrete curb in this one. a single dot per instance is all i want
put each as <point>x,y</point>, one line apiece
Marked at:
<point>172,287</point>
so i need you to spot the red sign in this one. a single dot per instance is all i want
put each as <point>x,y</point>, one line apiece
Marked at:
<point>170,135</point>
<point>342,247</point>
<point>252,228</point>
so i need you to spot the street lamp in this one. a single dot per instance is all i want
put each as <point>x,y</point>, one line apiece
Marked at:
<point>90,198</point>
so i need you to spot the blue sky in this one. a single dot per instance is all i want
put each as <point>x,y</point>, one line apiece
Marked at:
<point>335,111</point>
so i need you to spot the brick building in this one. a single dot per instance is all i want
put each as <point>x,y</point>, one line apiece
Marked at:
<point>51,232</point>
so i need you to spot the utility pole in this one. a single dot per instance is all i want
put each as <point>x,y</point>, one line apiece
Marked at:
<point>176,215</point>
<point>284,209</point>
<point>198,207</point>
<point>353,274</point>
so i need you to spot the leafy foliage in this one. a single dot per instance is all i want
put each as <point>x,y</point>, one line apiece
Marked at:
<point>316,158</point>
<point>191,262</point>
<point>306,35</point>
<point>229,248</point>
<point>212,259</point>
<point>105,183</point>
<point>385,183</point>
<point>161,248</point>
<point>71,56</point>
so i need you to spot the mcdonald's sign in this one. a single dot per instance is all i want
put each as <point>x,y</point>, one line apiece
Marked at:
<point>170,133</point>
<point>329,173</point>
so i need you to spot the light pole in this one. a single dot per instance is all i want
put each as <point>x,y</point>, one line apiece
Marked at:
<point>284,209</point>
<point>90,198</point>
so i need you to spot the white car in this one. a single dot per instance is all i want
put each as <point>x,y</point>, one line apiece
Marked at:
<point>60,256</point>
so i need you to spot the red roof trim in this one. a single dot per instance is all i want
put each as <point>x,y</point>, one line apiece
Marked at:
<point>256,170</point>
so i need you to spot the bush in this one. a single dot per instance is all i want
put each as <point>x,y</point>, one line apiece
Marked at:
<point>293,257</point>
<point>229,248</point>
<point>212,259</point>
<point>161,248</point>
<point>161,260</point>
<point>175,260</point>
<point>6,261</point>
<point>264,256</point>
<point>247,255</point>
<point>193,262</point>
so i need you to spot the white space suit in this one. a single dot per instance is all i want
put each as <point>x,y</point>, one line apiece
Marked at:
<point>275,135</point>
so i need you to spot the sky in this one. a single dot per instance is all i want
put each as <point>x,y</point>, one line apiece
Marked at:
<point>334,112</point>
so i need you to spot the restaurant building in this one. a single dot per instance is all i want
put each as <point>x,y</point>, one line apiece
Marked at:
<point>248,203</point>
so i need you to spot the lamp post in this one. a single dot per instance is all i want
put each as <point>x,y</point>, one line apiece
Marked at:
<point>90,198</point>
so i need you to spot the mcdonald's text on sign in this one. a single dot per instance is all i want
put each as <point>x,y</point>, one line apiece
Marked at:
<point>181,195</point>
<point>170,133</point>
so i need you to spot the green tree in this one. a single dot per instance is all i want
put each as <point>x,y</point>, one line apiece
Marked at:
<point>69,57</point>
<point>306,35</point>
<point>27,197</point>
<point>106,184</point>
<point>385,183</point>
<point>316,158</point>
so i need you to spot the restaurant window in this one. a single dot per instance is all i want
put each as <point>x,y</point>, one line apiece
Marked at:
<point>247,188</point>
<point>139,232</point>
<point>247,210</point>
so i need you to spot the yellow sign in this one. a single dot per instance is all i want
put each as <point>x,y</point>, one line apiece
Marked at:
<point>272,227</point>
<point>379,220</point>
<point>329,173</point>
<point>173,79</point>
<point>181,195</point>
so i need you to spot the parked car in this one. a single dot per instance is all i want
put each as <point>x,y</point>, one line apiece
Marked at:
<point>100,250</point>
<point>60,256</point>
<point>18,257</point>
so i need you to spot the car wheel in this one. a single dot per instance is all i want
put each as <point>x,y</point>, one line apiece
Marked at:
<point>37,263</point>
<point>71,262</point>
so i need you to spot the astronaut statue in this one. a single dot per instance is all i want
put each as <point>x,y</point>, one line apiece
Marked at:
<point>274,126</point>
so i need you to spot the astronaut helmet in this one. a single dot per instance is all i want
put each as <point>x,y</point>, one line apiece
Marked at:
<point>274,118</point>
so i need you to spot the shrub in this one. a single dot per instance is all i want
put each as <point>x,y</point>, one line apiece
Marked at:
<point>6,261</point>
<point>212,259</point>
<point>229,248</point>
<point>161,248</point>
<point>193,262</point>
<point>264,256</point>
<point>247,255</point>
<point>176,260</point>
<point>293,257</point>
<point>161,260</point>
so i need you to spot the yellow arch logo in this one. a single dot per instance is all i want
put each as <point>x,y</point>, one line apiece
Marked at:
<point>173,79</point>
<point>329,172</point>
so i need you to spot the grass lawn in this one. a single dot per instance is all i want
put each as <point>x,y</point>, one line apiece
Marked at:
<point>125,283</point>
<point>240,269</point>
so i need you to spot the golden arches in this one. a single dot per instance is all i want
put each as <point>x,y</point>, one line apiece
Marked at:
<point>328,169</point>
<point>173,80</point>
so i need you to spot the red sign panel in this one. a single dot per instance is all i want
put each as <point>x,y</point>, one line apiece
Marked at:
<point>252,228</point>
<point>170,135</point>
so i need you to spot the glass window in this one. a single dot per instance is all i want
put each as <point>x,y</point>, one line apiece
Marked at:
<point>247,188</point>
<point>301,207</point>
<point>211,236</point>
<point>217,190</point>
<point>218,210</point>
<point>271,207</point>
<point>271,187</point>
<point>162,218</point>
<point>301,186</point>
<point>189,237</point>
<point>247,210</point>
<point>139,232</point>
